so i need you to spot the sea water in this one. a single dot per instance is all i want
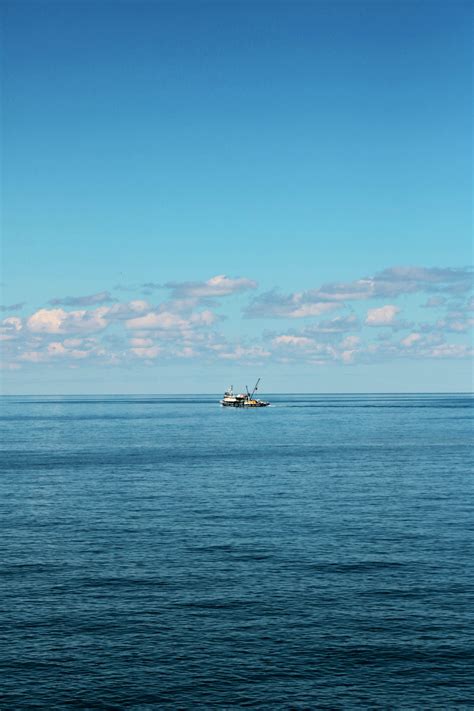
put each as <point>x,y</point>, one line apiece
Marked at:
<point>164,552</point>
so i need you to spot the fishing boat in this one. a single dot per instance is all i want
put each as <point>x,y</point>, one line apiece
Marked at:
<point>242,400</point>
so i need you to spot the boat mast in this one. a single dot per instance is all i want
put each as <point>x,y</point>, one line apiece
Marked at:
<point>255,389</point>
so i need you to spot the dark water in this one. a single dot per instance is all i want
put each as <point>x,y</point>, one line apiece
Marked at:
<point>169,553</point>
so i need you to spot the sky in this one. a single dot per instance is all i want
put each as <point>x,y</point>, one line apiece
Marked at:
<point>196,194</point>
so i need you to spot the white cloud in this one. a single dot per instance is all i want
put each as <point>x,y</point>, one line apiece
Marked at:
<point>459,325</point>
<point>185,326</point>
<point>47,321</point>
<point>138,305</point>
<point>451,350</point>
<point>388,283</point>
<point>298,341</point>
<point>242,353</point>
<point>455,322</point>
<point>382,316</point>
<point>411,339</point>
<point>203,318</point>
<point>350,342</point>
<point>307,309</point>
<point>149,353</point>
<point>60,321</point>
<point>10,328</point>
<point>151,321</point>
<point>187,352</point>
<point>336,325</point>
<point>348,356</point>
<point>128,309</point>
<point>220,285</point>
<point>169,321</point>
<point>55,349</point>
<point>13,322</point>
<point>273,304</point>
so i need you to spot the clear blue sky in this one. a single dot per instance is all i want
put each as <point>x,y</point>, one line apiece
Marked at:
<point>289,146</point>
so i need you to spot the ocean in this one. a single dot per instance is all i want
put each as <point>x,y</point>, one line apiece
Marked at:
<point>164,552</point>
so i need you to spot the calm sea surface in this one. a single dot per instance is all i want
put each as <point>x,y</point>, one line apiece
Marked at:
<point>164,552</point>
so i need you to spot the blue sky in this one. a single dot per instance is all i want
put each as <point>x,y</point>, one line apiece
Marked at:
<point>300,172</point>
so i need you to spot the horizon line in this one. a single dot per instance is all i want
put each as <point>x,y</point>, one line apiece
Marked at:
<point>174,394</point>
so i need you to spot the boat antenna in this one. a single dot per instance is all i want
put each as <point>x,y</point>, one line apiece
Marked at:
<point>255,388</point>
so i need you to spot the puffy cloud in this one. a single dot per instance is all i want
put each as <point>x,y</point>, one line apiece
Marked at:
<point>409,280</point>
<point>290,346</point>
<point>169,321</point>
<point>152,321</point>
<point>415,345</point>
<point>317,352</point>
<point>273,304</point>
<point>149,352</point>
<point>341,291</point>
<point>101,297</point>
<point>383,316</point>
<point>395,281</point>
<point>47,321</point>
<point>187,352</point>
<point>350,342</point>
<point>128,310</point>
<point>315,309</point>
<point>348,356</point>
<point>339,324</point>
<point>56,349</point>
<point>64,350</point>
<point>186,326</point>
<point>244,353</point>
<point>13,322</point>
<point>217,286</point>
<point>72,349</point>
<point>10,328</point>
<point>391,282</point>
<point>411,339</point>
<point>455,322</point>
<point>60,321</point>
<point>458,325</point>
<point>289,340</point>
<point>451,350</point>
<point>203,318</point>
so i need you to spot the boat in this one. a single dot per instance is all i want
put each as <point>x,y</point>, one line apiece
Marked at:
<point>242,400</point>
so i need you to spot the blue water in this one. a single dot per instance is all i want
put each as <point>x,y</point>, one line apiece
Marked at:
<point>162,552</point>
